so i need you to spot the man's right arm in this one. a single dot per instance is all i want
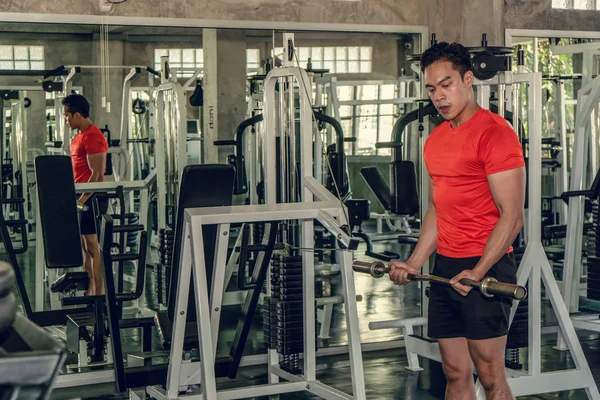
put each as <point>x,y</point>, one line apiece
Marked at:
<point>425,246</point>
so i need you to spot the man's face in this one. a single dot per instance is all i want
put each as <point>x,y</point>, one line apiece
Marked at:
<point>71,120</point>
<point>450,94</point>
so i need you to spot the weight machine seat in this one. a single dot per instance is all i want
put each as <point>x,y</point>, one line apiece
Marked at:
<point>71,281</point>
<point>380,188</point>
<point>58,211</point>
<point>205,185</point>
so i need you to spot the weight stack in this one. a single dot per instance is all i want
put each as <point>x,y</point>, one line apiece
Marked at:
<point>593,258</point>
<point>518,335</point>
<point>163,268</point>
<point>283,323</point>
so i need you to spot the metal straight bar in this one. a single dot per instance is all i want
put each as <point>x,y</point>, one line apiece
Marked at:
<point>564,170</point>
<point>209,384</point>
<point>183,290</point>
<point>218,286</point>
<point>351,308</point>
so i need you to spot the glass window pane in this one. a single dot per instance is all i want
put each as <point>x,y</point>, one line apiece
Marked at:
<point>318,64</point>
<point>353,53</point>
<point>386,109</point>
<point>38,65</point>
<point>22,65</point>
<point>330,65</point>
<point>341,67</point>
<point>365,67</point>
<point>6,65</point>
<point>560,3</point>
<point>583,4</point>
<point>188,55</point>
<point>341,53</point>
<point>6,53</point>
<point>345,93</point>
<point>174,56</point>
<point>253,55</point>
<point>387,91</point>
<point>303,53</point>
<point>317,53</point>
<point>36,53</point>
<point>353,66</point>
<point>329,53</point>
<point>366,53</point>
<point>21,53</point>
<point>367,92</point>
<point>346,111</point>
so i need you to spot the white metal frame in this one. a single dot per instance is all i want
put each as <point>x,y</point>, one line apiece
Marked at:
<point>325,209</point>
<point>588,99</point>
<point>533,269</point>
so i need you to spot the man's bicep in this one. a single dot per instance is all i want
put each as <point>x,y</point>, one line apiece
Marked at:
<point>508,189</point>
<point>96,162</point>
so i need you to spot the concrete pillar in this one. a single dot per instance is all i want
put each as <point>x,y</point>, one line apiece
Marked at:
<point>224,88</point>
<point>37,132</point>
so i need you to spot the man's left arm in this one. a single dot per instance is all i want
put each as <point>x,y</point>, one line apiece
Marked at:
<point>508,192</point>
<point>96,162</point>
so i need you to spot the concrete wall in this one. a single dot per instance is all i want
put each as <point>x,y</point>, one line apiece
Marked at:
<point>539,14</point>
<point>451,19</point>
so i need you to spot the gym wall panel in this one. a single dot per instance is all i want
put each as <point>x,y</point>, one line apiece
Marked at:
<point>539,14</point>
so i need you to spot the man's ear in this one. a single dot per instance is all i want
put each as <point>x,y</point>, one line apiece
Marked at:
<point>469,78</point>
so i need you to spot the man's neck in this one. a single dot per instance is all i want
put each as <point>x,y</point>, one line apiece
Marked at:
<point>84,125</point>
<point>466,114</point>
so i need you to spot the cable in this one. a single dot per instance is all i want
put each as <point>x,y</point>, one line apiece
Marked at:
<point>309,97</point>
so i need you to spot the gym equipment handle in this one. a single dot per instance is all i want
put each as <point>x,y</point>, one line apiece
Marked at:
<point>82,207</point>
<point>489,286</point>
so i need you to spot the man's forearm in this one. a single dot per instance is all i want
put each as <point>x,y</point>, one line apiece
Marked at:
<point>95,177</point>
<point>427,239</point>
<point>503,235</point>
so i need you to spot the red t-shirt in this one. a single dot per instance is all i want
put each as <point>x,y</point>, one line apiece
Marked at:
<point>459,161</point>
<point>90,141</point>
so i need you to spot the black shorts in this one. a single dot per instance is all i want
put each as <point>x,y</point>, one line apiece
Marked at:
<point>87,219</point>
<point>475,317</point>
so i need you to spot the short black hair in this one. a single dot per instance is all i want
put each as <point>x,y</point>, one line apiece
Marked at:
<point>76,103</point>
<point>456,53</point>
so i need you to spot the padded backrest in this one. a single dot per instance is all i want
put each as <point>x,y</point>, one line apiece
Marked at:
<point>58,211</point>
<point>207,185</point>
<point>378,185</point>
<point>404,196</point>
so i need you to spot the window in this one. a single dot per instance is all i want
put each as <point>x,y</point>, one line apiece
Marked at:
<point>369,123</point>
<point>576,4</point>
<point>252,60</point>
<point>22,57</point>
<point>338,60</point>
<point>186,59</point>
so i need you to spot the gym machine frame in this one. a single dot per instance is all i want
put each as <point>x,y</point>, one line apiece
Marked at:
<point>192,265</point>
<point>533,269</point>
<point>588,100</point>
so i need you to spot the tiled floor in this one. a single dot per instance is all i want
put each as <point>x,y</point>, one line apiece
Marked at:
<point>385,373</point>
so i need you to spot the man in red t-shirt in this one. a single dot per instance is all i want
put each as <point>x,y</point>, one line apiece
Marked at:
<point>477,195</point>
<point>88,155</point>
